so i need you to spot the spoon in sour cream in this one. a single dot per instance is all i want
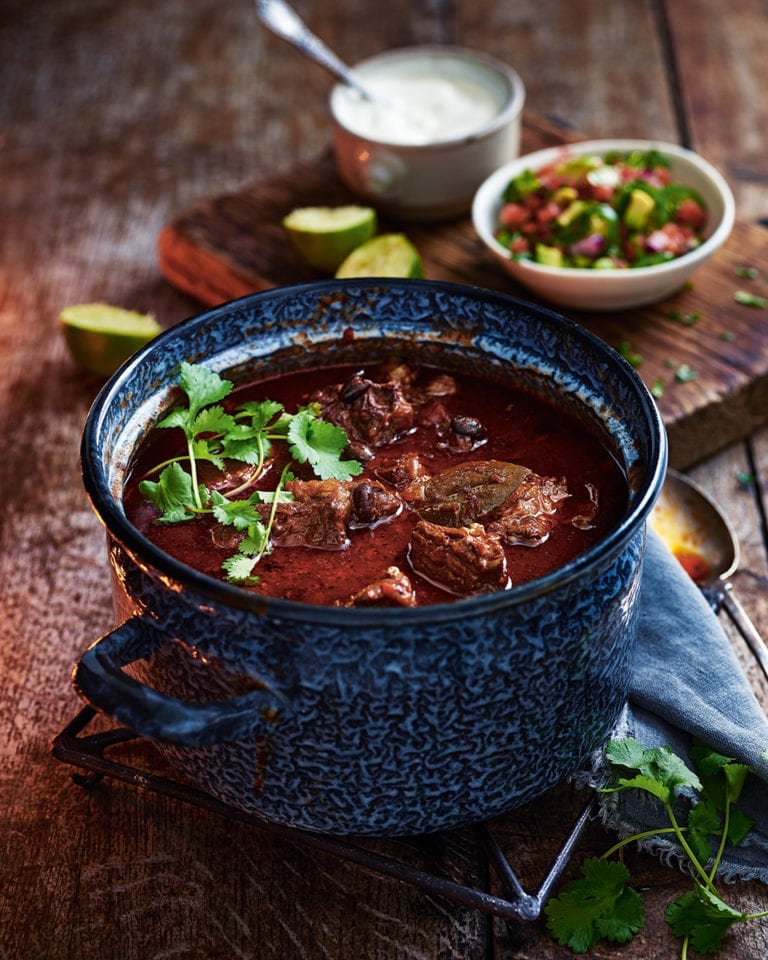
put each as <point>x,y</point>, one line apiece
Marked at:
<point>285,23</point>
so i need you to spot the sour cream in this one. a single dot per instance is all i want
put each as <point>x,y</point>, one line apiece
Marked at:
<point>423,99</point>
<point>441,119</point>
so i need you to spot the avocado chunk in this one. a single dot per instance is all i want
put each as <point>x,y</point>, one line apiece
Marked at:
<point>550,256</point>
<point>639,209</point>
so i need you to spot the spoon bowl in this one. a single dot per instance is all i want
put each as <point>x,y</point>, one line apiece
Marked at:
<point>696,531</point>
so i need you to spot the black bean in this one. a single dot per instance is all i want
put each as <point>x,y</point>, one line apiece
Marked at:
<point>467,427</point>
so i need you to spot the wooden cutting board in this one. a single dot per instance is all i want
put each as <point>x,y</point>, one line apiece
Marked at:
<point>708,352</point>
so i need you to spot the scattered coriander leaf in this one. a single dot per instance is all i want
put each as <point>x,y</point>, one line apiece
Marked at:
<point>750,299</point>
<point>598,905</point>
<point>745,272</point>
<point>727,335</point>
<point>702,916</point>
<point>657,388</point>
<point>625,349</point>
<point>684,373</point>
<point>745,478</point>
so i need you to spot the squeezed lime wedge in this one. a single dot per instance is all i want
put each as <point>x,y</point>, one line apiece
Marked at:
<point>323,236</point>
<point>101,337</point>
<point>388,255</point>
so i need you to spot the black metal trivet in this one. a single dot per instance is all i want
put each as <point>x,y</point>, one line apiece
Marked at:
<point>87,751</point>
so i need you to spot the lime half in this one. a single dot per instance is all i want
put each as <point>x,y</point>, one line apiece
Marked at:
<point>100,337</point>
<point>388,255</point>
<point>323,236</point>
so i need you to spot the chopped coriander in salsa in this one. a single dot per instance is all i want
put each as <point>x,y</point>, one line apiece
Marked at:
<point>392,485</point>
<point>618,211</point>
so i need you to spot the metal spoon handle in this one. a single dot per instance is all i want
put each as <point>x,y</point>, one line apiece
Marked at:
<point>285,23</point>
<point>746,628</point>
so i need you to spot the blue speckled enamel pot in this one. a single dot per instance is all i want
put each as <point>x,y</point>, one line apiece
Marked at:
<point>372,721</point>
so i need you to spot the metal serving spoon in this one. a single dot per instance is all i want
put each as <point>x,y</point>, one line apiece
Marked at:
<point>701,538</point>
<point>285,23</point>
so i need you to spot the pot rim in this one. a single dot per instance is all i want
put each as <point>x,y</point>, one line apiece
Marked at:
<point>210,589</point>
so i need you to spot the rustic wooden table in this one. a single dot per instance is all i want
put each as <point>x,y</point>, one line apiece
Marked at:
<point>115,117</point>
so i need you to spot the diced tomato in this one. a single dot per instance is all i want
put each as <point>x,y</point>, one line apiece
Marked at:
<point>602,193</point>
<point>548,212</point>
<point>691,213</point>
<point>512,214</point>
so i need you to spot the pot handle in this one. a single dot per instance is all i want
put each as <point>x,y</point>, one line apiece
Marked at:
<point>98,678</point>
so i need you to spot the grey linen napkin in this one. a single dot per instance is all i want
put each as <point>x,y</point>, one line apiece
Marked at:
<point>687,684</point>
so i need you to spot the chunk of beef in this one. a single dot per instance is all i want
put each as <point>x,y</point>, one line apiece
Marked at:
<point>531,513</point>
<point>400,472</point>
<point>372,504</point>
<point>469,491</point>
<point>462,560</point>
<point>316,517</point>
<point>373,413</point>
<point>393,590</point>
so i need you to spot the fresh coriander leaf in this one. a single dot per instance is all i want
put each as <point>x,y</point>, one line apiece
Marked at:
<point>212,420</point>
<point>260,412</point>
<point>178,417</point>
<point>728,335</point>
<point>202,386</point>
<point>722,777</point>
<point>320,444</point>
<point>640,782</point>
<point>239,514</point>
<point>746,479</point>
<point>657,388</point>
<point>256,541</point>
<point>269,496</point>
<point>239,568</point>
<point>703,917</point>
<point>245,443</point>
<point>597,905</point>
<point>204,450</point>
<point>750,299</point>
<point>703,823</point>
<point>739,826</point>
<point>735,777</point>
<point>654,765</point>
<point>173,494</point>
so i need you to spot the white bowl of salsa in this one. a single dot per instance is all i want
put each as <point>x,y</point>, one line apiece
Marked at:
<point>604,224</point>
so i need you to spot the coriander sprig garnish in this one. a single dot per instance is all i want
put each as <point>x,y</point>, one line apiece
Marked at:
<point>601,905</point>
<point>247,436</point>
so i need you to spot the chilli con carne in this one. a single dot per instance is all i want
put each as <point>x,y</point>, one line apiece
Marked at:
<point>390,486</point>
